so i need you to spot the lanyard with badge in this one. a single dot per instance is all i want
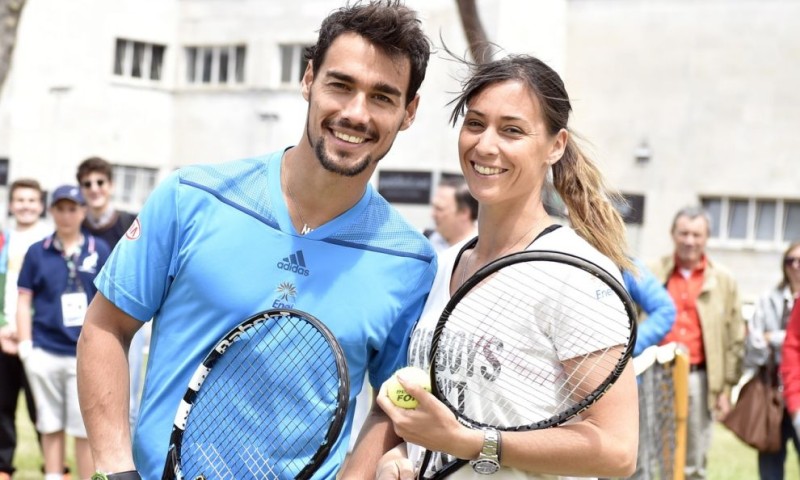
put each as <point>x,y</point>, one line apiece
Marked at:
<point>73,300</point>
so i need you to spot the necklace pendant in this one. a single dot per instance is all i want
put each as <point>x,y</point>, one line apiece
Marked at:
<point>306,229</point>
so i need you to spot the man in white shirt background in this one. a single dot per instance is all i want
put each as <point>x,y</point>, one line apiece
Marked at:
<point>26,228</point>
<point>454,213</point>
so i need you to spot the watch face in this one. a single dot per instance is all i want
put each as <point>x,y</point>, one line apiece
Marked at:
<point>485,467</point>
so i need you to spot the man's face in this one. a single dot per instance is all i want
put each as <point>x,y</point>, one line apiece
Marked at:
<point>445,211</point>
<point>690,236</point>
<point>26,206</point>
<point>68,216</point>
<point>96,189</point>
<point>356,105</point>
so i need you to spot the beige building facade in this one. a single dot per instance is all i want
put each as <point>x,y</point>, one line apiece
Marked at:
<point>680,101</point>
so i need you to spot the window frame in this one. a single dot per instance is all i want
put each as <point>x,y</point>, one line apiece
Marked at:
<point>132,196</point>
<point>721,226</point>
<point>123,64</point>
<point>297,64</point>
<point>194,63</point>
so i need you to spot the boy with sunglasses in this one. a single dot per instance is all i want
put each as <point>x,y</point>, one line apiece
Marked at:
<point>95,177</point>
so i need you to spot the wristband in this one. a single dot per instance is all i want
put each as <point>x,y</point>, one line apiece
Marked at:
<point>129,475</point>
<point>24,349</point>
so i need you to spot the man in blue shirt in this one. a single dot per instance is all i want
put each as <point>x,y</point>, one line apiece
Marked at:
<point>299,228</point>
<point>55,286</point>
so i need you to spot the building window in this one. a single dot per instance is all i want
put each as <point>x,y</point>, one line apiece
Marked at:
<point>132,185</point>
<point>136,59</point>
<point>751,221</point>
<point>791,222</point>
<point>217,65</point>
<point>293,63</point>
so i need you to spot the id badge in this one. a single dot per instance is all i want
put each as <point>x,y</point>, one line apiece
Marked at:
<point>73,308</point>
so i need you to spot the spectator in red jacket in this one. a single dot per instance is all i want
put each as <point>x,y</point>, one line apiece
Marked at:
<point>790,366</point>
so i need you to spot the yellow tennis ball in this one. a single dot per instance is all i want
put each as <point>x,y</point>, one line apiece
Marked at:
<point>398,395</point>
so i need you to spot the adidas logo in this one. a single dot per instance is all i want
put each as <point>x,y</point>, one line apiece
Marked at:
<point>295,263</point>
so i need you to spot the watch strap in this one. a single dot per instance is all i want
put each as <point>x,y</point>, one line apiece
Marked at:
<point>129,475</point>
<point>491,444</point>
<point>488,461</point>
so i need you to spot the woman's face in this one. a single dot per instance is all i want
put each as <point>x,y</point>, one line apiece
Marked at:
<point>504,146</point>
<point>791,265</point>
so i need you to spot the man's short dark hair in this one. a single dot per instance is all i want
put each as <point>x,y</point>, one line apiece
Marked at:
<point>387,24</point>
<point>464,198</point>
<point>24,183</point>
<point>95,164</point>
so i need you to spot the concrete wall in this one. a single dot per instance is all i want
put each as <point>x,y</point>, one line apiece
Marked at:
<point>709,85</point>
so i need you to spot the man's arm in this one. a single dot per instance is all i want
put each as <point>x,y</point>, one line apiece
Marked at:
<point>734,350</point>
<point>24,320</point>
<point>377,437</point>
<point>103,383</point>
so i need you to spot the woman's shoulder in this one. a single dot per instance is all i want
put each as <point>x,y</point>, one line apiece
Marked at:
<point>566,240</point>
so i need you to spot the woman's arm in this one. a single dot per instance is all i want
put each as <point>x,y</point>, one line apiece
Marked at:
<point>603,442</point>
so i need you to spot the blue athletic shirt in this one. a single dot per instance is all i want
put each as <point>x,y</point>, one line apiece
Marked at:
<point>214,244</point>
<point>45,274</point>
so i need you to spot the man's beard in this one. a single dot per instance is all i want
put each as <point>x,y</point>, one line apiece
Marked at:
<point>330,165</point>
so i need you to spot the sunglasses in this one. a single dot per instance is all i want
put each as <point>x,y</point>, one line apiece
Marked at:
<point>88,183</point>
<point>793,262</point>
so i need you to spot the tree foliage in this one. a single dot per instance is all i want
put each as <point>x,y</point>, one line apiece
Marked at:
<point>10,11</point>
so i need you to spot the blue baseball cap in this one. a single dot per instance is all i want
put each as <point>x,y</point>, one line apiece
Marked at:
<point>67,192</point>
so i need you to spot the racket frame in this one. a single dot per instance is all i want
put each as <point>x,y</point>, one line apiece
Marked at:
<point>482,274</point>
<point>172,467</point>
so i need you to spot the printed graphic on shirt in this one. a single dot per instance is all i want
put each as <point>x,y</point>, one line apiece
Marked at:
<point>89,263</point>
<point>287,293</point>
<point>498,340</point>
<point>135,230</point>
<point>295,263</point>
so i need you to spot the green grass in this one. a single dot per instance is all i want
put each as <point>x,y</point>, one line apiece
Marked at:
<point>28,457</point>
<point>729,458</point>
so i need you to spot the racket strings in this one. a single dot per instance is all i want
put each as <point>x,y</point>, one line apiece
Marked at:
<point>265,407</point>
<point>530,341</point>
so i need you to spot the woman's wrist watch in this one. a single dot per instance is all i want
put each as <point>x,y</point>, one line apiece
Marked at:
<point>488,461</point>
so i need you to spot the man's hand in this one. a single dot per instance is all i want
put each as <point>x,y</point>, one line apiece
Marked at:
<point>398,469</point>
<point>8,340</point>
<point>723,407</point>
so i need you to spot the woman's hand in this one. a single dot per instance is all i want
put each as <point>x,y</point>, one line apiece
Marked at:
<point>431,425</point>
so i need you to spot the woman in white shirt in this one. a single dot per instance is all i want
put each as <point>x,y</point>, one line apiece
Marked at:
<point>514,135</point>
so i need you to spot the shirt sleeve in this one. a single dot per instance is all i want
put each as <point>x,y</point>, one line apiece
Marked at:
<point>141,267</point>
<point>27,273</point>
<point>394,354</point>
<point>651,296</point>
<point>756,348</point>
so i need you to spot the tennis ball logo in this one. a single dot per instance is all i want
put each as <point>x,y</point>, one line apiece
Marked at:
<point>398,395</point>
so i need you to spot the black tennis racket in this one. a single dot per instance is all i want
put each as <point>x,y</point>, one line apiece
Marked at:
<point>528,342</point>
<point>267,402</point>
